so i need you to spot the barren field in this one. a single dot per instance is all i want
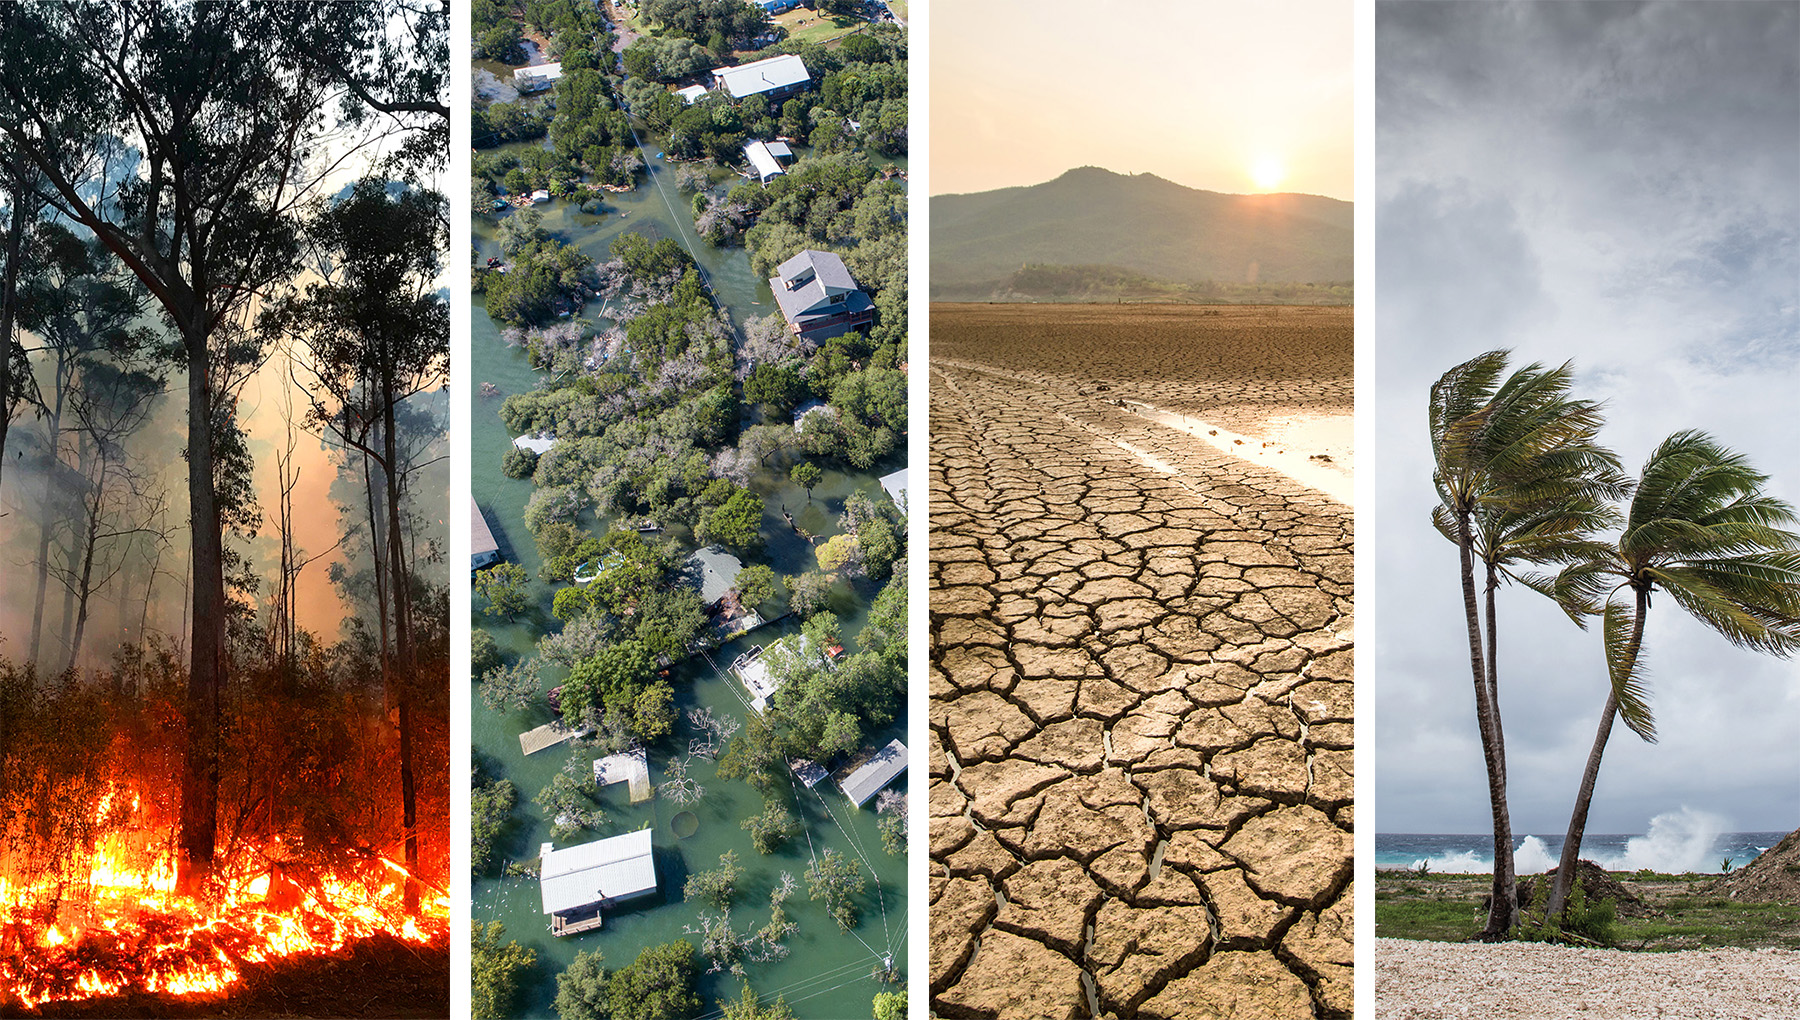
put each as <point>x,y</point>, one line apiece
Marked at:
<point>1141,669</point>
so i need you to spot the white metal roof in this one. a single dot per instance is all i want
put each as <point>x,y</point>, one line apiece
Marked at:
<point>762,160</point>
<point>895,486</point>
<point>761,76</point>
<point>537,76</point>
<point>875,773</point>
<point>615,868</point>
<point>691,94</point>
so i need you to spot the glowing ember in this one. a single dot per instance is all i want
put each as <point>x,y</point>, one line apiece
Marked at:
<point>119,925</point>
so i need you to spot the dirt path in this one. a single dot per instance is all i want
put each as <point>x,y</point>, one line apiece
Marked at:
<point>1429,980</point>
<point>1141,717</point>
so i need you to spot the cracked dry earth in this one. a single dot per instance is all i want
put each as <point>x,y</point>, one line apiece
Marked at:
<point>1140,793</point>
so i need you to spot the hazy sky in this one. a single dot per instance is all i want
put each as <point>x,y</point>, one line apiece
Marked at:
<point>1617,184</point>
<point>1207,93</point>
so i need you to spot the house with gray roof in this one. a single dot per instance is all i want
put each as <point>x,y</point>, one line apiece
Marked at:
<point>818,296</point>
<point>884,767</point>
<point>712,571</point>
<point>773,77</point>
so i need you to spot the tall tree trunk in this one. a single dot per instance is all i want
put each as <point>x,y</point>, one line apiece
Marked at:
<point>1584,797</point>
<point>23,209</point>
<point>400,580</point>
<point>1502,904</point>
<point>1506,878</point>
<point>200,776</point>
<point>84,587</point>
<point>46,518</point>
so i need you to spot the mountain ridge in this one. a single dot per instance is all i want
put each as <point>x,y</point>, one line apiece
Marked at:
<point>1139,222</point>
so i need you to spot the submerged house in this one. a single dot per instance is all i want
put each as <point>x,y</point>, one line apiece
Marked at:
<point>767,159</point>
<point>537,78</point>
<point>775,78</point>
<point>818,296</point>
<point>884,767</point>
<point>484,551</point>
<point>577,882</point>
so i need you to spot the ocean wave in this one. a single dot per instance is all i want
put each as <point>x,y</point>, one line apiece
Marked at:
<point>1677,842</point>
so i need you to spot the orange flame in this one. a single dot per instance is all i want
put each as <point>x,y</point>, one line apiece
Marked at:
<point>121,925</point>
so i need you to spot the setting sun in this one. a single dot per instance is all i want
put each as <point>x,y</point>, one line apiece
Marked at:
<point>1268,172</point>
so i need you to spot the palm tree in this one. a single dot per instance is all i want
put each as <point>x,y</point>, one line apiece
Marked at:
<point>1701,528</point>
<point>1519,480</point>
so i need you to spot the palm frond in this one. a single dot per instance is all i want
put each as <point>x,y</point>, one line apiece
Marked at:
<point>1625,667</point>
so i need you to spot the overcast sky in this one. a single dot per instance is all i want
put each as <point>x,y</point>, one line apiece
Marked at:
<point>1617,184</point>
<point>1200,92</point>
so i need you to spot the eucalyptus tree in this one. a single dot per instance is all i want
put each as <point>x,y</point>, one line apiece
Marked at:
<point>226,136</point>
<point>371,333</point>
<point>1519,480</point>
<point>82,305</point>
<point>1700,528</point>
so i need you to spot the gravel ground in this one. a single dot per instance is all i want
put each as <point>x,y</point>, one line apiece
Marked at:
<point>1418,980</point>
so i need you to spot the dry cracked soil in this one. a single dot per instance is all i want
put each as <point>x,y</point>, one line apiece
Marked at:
<point>1140,792</point>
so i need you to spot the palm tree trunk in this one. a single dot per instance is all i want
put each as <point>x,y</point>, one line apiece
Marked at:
<point>1500,908</point>
<point>1506,878</point>
<point>1571,849</point>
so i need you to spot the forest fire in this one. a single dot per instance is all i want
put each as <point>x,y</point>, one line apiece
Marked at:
<point>114,923</point>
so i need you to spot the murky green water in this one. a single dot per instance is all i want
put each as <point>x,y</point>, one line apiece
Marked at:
<point>827,973</point>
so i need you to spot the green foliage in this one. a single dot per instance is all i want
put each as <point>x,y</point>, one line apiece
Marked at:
<point>490,811</point>
<point>748,1007</point>
<point>658,985</point>
<point>503,585</point>
<point>880,547</point>
<point>494,971</point>
<point>1584,923</point>
<point>777,386</point>
<point>503,43</point>
<point>770,830</point>
<point>884,632</point>
<point>836,880</point>
<point>755,585</point>
<point>542,273</point>
<point>754,757</point>
<point>484,654</point>
<point>806,474</point>
<point>566,804</point>
<point>893,831</point>
<point>581,989</point>
<point>614,676</point>
<point>518,462</point>
<point>716,886</point>
<point>890,1005</point>
<point>736,523</point>
<point>808,593</point>
<point>510,688</point>
<point>838,552</point>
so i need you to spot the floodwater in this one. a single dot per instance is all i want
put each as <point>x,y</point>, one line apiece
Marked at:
<point>828,971</point>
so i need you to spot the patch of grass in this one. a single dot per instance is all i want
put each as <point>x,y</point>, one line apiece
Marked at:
<point>1443,911</point>
<point>810,26</point>
<point>1447,908</point>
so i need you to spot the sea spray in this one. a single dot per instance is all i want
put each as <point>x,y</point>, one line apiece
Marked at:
<point>1678,842</point>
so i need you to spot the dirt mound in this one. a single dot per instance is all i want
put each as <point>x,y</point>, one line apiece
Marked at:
<point>1595,882</point>
<point>1774,877</point>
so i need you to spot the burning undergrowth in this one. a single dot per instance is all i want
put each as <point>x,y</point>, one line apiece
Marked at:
<point>308,866</point>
